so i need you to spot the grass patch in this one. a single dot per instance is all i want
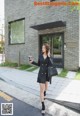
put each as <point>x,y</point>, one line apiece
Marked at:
<point>63,73</point>
<point>9,64</point>
<point>27,67</point>
<point>77,75</point>
<point>24,67</point>
<point>34,68</point>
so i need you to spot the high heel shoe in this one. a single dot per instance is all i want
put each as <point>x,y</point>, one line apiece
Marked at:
<point>44,95</point>
<point>43,108</point>
<point>43,112</point>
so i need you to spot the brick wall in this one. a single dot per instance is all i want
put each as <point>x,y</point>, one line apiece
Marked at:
<point>38,15</point>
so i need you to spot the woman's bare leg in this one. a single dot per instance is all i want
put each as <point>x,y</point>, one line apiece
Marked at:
<point>46,86</point>
<point>42,89</point>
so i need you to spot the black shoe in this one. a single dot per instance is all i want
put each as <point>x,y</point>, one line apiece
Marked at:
<point>43,112</point>
<point>43,108</point>
<point>44,95</point>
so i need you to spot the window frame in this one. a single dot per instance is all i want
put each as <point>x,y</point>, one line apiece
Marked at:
<point>9,32</point>
<point>53,34</point>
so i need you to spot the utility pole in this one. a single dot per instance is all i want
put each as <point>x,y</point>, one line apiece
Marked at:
<point>2,45</point>
<point>2,37</point>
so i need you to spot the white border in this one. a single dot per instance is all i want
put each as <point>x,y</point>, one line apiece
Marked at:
<point>79,38</point>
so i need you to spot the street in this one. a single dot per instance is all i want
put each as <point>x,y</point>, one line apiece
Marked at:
<point>19,108</point>
<point>27,104</point>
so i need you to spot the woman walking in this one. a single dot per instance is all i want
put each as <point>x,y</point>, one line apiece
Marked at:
<point>43,79</point>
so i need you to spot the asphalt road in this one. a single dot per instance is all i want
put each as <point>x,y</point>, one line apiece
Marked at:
<point>19,108</point>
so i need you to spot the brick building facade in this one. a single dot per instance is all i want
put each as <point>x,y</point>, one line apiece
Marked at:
<point>28,26</point>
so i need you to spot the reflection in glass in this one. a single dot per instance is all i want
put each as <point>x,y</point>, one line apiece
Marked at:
<point>56,46</point>
<point>16,32</point>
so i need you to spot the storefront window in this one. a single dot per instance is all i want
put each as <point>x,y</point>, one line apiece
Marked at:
<point>16,32</point>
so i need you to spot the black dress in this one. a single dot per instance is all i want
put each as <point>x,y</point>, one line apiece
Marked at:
<point>43,72</point>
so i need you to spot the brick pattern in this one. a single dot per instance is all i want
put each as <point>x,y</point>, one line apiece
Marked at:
<point>39,15</point>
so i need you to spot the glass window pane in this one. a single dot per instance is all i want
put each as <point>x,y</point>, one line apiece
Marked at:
<point>57,46</point>
<point>17,32</point>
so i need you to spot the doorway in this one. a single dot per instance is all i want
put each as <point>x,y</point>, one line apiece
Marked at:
<point>56,42</point>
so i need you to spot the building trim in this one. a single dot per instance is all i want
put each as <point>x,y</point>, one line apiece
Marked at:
<point>49,25</point>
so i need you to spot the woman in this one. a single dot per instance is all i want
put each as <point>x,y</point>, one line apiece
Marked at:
<point>43,79</point>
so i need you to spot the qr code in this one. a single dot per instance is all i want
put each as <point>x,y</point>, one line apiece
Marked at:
<point>6,108</point>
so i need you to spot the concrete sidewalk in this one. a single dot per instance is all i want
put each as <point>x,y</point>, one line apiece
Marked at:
<point>23,86</point>
<point>52,109</point>
<point>60,89</point>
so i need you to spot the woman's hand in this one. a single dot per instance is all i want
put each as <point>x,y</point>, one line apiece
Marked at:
<point>48,53</point>
<point>31,61</point>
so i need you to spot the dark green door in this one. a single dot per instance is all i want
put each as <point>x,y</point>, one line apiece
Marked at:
<point>56,42</point>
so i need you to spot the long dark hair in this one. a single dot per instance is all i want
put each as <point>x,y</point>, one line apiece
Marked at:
<point>47,47</point>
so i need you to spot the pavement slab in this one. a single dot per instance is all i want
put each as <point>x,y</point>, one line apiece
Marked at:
<point>71,74</point>
<point>52,108</point>
<point>19,108</point>
<point>62,89</point>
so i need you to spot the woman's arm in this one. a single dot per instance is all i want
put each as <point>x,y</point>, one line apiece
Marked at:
<point>36,63</point>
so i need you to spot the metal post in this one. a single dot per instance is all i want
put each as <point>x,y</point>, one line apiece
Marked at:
<point>19,60</point>
<point>2,46</point>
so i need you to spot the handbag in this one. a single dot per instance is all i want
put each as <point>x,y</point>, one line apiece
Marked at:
<point>52,71</point>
